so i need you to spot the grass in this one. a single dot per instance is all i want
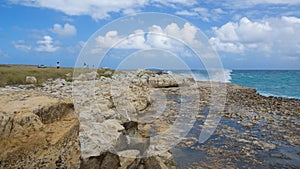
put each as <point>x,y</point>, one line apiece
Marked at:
<point>103,72</point>
<point>16,74</point>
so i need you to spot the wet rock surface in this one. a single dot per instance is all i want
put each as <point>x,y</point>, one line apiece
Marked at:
<point>255,132</point>
<point>146,120</point>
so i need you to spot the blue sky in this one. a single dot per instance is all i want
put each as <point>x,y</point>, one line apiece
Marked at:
<point>249,34</point>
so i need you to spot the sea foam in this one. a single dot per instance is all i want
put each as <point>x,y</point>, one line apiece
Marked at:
<point>215,75</point>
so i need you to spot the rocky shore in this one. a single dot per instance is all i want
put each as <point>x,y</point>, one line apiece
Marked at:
<point>143,119</point>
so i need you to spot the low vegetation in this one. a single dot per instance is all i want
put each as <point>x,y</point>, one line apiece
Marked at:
<point>16,74</point>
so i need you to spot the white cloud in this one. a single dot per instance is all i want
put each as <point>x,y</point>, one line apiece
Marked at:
<point>186,13</point>
<point>272,36</point>
<point>204,14</point>
<point>21,45</point>
<point>227,46</point>
<point>101,9</point>
<point>64,31</point>
<point>173,3</point>
<point>158,38</point>
<point>46,45</point>
<point>251,3</point>
<point>96,9</point>
<point>170,37</point>
<point>187,33</point>
<point>219,11</point>
<point>110,39</point>
<point>240,31</point>
<point>135,41</point>
<point>289,2</point>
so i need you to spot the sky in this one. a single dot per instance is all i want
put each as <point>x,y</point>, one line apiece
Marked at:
<point>248,34</point>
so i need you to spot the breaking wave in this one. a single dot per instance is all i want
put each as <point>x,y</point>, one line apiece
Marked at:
<point>202,75</point>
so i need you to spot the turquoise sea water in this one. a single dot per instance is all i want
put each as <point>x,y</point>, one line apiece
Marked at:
<point>280,83</point>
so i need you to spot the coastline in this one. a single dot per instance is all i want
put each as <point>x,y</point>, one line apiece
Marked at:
<point>32,70</point>
<point>262,127</point>
<point>276,83</point>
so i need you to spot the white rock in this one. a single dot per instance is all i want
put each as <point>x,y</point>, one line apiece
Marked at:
<point>31,79</point>
<point>129,153</point>
<point>97,138</point>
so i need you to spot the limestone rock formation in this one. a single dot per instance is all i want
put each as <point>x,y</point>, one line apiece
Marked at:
<point>108,112</point>
<point>37,131</point>
<point>121,115</point>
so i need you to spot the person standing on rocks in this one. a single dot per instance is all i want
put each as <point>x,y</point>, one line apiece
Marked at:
<point>57,65</point>
<point>85,65</point>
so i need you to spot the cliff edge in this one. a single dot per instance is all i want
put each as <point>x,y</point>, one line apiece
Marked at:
<point>38,130</point>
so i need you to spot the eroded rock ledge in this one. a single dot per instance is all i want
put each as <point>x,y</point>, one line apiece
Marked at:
<point>38,130</point>
<point>41,129</point>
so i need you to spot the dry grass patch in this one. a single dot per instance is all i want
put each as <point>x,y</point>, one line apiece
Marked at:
<point>16,74</point>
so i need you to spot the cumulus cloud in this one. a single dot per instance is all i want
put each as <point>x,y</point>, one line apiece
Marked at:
<point>238,31</point>
<point>135,41</point>
<point>110,39</point>
<point>227,46</point>
<point>170,37</point>
<point>21,45</point>
<point>64,31</point>
<point>278,36</point>
<point>46,45</point>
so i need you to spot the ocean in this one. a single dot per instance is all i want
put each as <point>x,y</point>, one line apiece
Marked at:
<point>279,83</point>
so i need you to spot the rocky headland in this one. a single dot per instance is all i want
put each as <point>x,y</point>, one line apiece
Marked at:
<point>143,119</point>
